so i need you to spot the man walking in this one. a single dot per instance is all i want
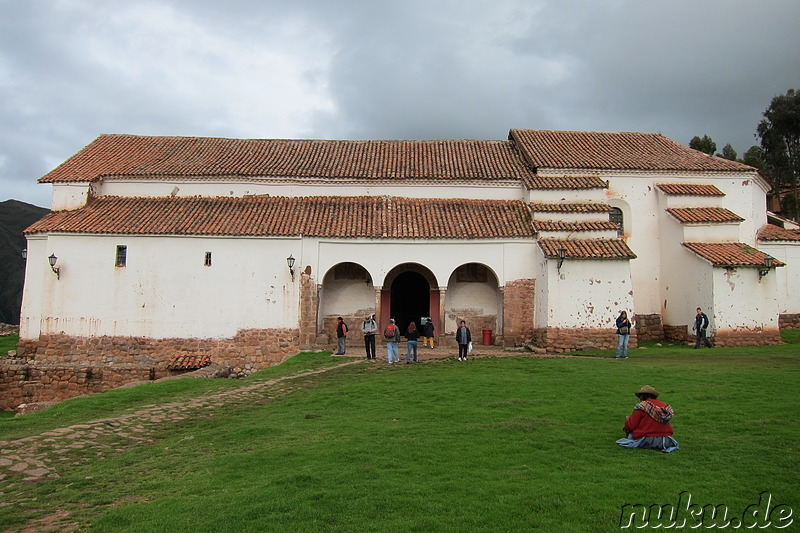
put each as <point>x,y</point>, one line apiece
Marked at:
<point>341,337</point>
<point>701,325</point>
<point>369,327</point>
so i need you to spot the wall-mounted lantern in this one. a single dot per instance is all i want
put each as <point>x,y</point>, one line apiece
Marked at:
<point>53,259</point>
<point>562,253</point>
<point>769,262</point>
<point>290,262</point>
<point>25,254</point>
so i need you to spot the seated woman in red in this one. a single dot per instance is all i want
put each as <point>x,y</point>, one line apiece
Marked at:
<point>648,426</point>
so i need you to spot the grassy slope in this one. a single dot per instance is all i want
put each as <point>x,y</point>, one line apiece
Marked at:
<point>492,445</point>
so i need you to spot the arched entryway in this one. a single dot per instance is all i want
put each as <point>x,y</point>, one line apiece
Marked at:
<point>410,299</point>
<point>409,293</point>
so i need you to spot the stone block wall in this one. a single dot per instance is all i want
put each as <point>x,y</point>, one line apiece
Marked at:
<point>757,337</point>
<point>789,321</point>
<point>676,333</point>
<point>518,302</point>
<point>559,340</point>
<point>57,367</point>
<point>648,327</point>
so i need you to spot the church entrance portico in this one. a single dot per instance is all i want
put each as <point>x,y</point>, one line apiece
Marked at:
<point>410,292</point>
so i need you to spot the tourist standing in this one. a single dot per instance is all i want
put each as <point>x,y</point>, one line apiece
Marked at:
<point>624,333</point>
<point>412,335</point>
<point>341,337</point>
<point>392,335</point>
<point>463,338</point>
<point>427,332</point>
<point>369,327</point>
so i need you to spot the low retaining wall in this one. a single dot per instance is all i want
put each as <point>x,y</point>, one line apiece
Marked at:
<point>558,340</point>
<point>789,321</point>
<point>758,337</point>
<point>57,367</point>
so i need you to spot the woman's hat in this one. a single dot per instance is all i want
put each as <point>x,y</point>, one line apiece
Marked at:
<point>647,389</point>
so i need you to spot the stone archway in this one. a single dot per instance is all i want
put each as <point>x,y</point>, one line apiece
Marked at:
<point>474,295</point>
<point>346,291</point>
<point>409,293</point>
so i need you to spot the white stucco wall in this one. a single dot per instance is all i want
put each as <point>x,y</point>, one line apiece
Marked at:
<point>742,302</point>
<point>584,294</point>
<point>787,278</point>
<point>164,291</point>
<point>68,196</point>
<point>499,190</point>
<point>687,286</point>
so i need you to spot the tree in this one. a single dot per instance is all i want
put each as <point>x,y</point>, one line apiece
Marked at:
<point>754,156</point>
<point>728,152</point>
<point>779,132</point>
<point>704,145</point>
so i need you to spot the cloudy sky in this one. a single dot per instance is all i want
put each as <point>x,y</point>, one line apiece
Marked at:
<point>71,70</point>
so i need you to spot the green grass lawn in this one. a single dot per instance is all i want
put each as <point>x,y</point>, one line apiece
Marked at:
<point>495,444</point>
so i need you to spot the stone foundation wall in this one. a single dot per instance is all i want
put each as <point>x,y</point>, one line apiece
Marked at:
<point>57,367</point>
<point>648,327</point>
<point>676,333</point>
<point>789,321</point>
<point>518,302</point>
<point>745,338</point>
<point>559,340</point>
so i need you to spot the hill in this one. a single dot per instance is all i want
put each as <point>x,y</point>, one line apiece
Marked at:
<point>15,216</point>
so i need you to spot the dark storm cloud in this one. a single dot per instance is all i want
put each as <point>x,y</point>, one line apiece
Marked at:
<point>74,69</point>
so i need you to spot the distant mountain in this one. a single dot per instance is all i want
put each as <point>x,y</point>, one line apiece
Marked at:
<point>15,216</point>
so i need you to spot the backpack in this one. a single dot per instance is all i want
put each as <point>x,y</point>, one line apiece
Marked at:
<point>389,332</point>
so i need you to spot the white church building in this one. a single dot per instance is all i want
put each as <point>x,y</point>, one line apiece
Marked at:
<point>168,253</point>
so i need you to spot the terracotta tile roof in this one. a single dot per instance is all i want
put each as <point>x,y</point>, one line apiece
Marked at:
<point>156,157</point>
<point>688,189</point>
<point>729,254</point>
<point>587,248</point>
<point>564,182</point>
<point>771,232</point>
<point>703,215</point>
<point>603,150</point>
<point>189,362</point>
<point>558,225</point>
<point>317,216</point>
<point>570,208</point>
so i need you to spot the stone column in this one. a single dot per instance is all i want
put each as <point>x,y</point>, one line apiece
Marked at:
<point>442,312</point>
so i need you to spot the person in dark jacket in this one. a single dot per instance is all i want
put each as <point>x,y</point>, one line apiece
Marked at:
<point>341,336</point>
<point>427,332</point>
<point>701,326</point>
<point>463,338</point>
<point>412,334</point>
<point>624,332</point>
<point>648,426</point>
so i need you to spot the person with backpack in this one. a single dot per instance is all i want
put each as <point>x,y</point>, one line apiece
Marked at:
<point>648,426</point>
<point>369,327</point>
<point>412,335</point>
<point>427,332</point>
<point>341,337</point>
<point>392,335</point>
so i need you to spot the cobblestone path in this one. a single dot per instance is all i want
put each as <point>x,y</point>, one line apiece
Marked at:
<point>39,457</point>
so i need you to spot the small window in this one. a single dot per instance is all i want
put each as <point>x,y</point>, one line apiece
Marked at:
<point>122,255</point>
<point>208,259</point>
<point>615,216</point>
